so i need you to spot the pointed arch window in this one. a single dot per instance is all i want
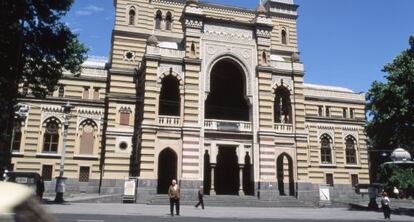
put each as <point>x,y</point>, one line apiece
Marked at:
<point>169,104</point>
<point>168,21</point>
<point>284,37</point>
<point>87,138</point>
<point>17,137</point>
<point>350,150</point>
<point>282,106</point>
<point>326,149</point>
<point>131,14</point>
<point>158,19</point>
<point>192,50</point>
<point>264,58</point>
<point>61,91</point>
<point>51,137</point>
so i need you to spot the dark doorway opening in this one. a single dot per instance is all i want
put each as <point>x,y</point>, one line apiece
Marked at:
<point>248,184</point>
<point>169,97</point>
<point>282,161</point>
<point>226,100</point>
<point>207,174</point>
<point>167,170</point>
<point>227,179</point>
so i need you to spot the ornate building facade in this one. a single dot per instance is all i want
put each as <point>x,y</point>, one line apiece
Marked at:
<point>210,95</point>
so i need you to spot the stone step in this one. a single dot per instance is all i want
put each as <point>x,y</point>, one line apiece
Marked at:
<point>236,201</point>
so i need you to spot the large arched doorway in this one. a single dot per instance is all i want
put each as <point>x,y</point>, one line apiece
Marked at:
<point>227,180</point>
<point>167,170</point>
<point>285,175</point>
<point>227,97</point>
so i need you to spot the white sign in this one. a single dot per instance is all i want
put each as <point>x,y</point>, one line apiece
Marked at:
<point>324,194</point>
<point>129,188</point>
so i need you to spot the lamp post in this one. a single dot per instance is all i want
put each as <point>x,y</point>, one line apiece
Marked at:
<point>60,181</point>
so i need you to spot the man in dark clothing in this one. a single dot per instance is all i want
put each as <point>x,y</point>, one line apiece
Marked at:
<point>200,198</point>
<point>174,195</point>
<point>40,188</point>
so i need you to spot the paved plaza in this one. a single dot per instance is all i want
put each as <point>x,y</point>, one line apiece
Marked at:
<point>133,212</point>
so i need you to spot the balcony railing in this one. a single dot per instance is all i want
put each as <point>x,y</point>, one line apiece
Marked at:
<point>227,125</point>
<point>169,120</point>
<point>283,128</point>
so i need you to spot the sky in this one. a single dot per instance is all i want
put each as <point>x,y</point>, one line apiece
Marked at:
<point>341,42</point>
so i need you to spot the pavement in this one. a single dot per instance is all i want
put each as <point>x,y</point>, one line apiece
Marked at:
<point>137,212</point>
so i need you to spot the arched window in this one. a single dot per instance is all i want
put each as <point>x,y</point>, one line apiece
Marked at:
<point>169,104</point>
<point>284,37</point>
<point>192,50</point>
<point>282,106</point>
<point>350,150</point>
<point>168,21</point>
<point>326,149</point>
<point>61,93</point>
<point>17,136</point>
<point>158,18</point>
<point>132,14</point>
<point>87,138</point>
<point>264,58</point>
<point>51,137</point>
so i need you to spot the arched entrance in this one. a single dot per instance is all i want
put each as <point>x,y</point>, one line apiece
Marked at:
<point>285,175</point>
<point>227,178</point>
<point>227,97</point>
<point>167,170</point>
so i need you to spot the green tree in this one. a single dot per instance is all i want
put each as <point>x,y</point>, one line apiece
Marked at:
<point>391,105</point>
<point>35,48</point>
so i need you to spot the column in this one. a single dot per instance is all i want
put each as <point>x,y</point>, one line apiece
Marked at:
<point>241,191</point>
<point>212,189</point>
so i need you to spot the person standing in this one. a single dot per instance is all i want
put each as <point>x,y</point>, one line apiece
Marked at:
<point>385,202</point>
<point>200,198</point>
<point>174,195</point>
<point>40,188</point>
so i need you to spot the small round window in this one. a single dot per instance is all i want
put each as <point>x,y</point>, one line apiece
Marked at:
<point>123,145</point>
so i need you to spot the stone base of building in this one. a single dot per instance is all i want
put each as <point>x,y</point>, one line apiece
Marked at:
<point>265,191</point>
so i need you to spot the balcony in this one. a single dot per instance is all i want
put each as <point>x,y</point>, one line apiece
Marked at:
<point>283,128</point>
<point>226,125</point>
<point>169,120</point>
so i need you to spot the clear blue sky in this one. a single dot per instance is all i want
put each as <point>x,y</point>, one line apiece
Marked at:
<point>342,42</point>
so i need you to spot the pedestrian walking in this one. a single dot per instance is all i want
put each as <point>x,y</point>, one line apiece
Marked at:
<point>174,195</point>
<point>396,192</point>
<point>40,188</point>
<point>385,203</point>
<point>200,198</point>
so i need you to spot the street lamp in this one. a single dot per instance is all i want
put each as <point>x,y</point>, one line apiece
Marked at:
<point>60,181</point>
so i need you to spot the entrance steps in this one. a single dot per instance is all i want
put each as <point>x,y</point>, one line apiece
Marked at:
<point>235,201</point>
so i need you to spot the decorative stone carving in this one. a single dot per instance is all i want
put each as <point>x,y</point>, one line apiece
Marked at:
<point>241,54</point>
<point>350,131</point>
<point>326,129</point>
<point>282,81</point>
<point>264,33</point>
<point>52,111</point>
<point>129,56</point>
<point>168,68</point>
<point>228,33</point>
<point>193,10</point>
<point>193,23</point>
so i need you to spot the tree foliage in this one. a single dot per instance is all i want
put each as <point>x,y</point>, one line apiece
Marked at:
<point>391,104</point>
<point>396,176</point>
<point>35,47</point>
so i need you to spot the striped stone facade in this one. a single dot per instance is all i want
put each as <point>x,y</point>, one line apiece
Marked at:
<point>290,145</point>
